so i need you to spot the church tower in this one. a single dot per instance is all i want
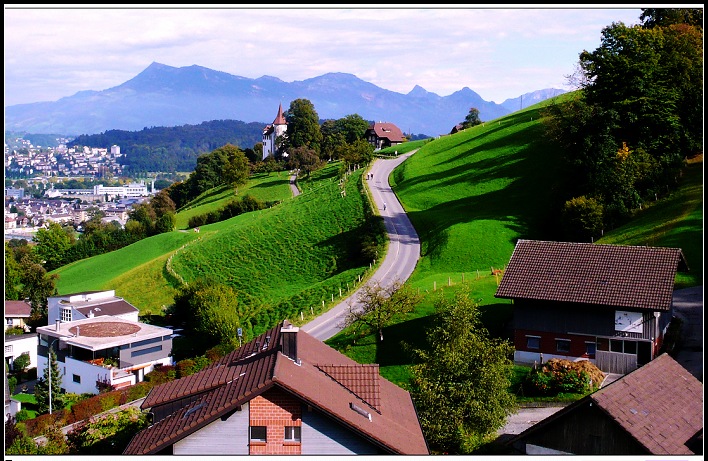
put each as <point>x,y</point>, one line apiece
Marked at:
<point>272,131</point>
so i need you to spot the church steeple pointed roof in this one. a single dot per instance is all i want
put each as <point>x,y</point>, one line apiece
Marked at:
<point>279,119</point>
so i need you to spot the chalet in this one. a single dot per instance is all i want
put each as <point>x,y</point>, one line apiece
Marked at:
<point>610,304</point>
<point>284,392</point>
<point>383,134</point>
<point>654,410</point>
<point>272,132</point>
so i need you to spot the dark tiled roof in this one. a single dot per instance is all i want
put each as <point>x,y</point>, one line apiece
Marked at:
<point>660,404</point>
<point>615,275</point>
<point>106,308</point>
<point>260,365</point>
<point>17,309</point>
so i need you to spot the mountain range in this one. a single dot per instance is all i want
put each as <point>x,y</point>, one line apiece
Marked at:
<point>163,95</point>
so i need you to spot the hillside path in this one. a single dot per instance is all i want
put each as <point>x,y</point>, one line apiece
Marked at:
<point>293,184</point>
<point>401,257</point>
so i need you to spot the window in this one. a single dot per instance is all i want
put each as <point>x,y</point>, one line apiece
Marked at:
<point>66,315</point>
<point>563,345</point>
<point>76,379</point>
<point>148,350</point>
<point>630,347</point>
<point>8,320</point>
<point>533,342</point>
<point>292,433</point>
<point>616,345</point>
<point>257,433</point>
<point>590,348</point>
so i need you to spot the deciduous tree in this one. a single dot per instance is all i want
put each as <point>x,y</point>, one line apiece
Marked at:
<point>380,307</point>
<point>461,382</point>
<point>303,126</point>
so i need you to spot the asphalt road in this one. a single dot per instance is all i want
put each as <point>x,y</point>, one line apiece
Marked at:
<point>401,257</point>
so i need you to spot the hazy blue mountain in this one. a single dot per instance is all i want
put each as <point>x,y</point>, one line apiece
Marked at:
<point>162,95</point>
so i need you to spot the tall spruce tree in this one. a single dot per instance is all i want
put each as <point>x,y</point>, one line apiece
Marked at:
<point>41,389</point>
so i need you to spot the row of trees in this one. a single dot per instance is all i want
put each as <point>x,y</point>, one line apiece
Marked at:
<point>638,116</point>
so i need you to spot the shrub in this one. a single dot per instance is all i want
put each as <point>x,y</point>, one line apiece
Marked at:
<point>37,426</point>
<point>11,382</point>
<point>22,415</point>
<point>563,376</point>
<point>161,375</point>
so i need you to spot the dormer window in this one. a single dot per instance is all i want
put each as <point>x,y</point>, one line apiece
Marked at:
<point>66,315</point>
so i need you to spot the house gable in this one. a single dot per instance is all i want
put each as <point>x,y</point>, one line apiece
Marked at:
<point>260,368</point>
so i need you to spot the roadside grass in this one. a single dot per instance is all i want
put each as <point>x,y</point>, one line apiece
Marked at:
<point>266,187</point>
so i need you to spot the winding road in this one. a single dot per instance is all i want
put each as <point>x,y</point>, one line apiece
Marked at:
<point>401,257</point>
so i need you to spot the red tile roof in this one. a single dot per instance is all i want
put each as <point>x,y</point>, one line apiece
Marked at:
<point>280,119</point>
<point>615,275</point>
<point>322,378</point>
<point>660,405</point>
<point>388,131</point>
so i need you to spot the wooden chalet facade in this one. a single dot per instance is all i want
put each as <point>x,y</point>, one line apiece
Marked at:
<point>283,393</point>
<point>655,410</point>
<point>610,304</point>
<point>383,134</point>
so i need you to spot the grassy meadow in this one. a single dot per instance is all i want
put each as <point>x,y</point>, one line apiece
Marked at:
<point>470,196</point>
<point>282,260</point>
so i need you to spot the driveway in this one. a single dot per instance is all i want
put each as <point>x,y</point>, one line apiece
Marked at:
<point>401,257</point>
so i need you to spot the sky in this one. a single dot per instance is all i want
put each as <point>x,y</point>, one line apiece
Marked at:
<point>498,51</point>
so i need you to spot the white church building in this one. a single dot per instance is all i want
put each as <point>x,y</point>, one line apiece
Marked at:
<point>271,133</point>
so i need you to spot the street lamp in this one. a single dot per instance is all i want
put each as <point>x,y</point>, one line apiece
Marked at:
<point>49,366</point>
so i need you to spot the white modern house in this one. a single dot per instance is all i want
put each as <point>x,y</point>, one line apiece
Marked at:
<point>17,345</point>
<point>100,342</point>
<point>103,351</point>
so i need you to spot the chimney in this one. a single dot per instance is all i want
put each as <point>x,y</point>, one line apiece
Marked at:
<point>57,329</point>
<point>288,338</point>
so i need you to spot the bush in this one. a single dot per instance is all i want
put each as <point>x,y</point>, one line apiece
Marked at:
<point>562,376</point>
<point>23,415</point>
<point>37,426</point>
<point>12,382</point>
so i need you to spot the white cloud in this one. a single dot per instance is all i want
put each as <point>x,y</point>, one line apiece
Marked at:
<point>498,52</point>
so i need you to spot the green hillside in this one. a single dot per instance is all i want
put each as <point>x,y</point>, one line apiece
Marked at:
<point>282,260</point>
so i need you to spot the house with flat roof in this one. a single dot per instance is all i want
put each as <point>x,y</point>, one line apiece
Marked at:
<point>103,351</point>
<point>284,392</point>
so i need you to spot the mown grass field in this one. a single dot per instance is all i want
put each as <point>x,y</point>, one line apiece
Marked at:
<point>266,187</point>
<point>282,260</point>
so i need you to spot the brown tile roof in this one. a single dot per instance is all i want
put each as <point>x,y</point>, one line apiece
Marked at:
<point>660,404</point>
<point>259,365</point>
<point>17,309</point>
<point>388,131</point>
<point>615,275</point>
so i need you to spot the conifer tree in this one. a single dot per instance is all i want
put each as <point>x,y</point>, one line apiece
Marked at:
<point>41,389</point>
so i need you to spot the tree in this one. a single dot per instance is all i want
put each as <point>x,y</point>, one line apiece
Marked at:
<point>303,126</point>
<point>460,383</point>
<point>13,274</point>
<point>52,244</point>
<point>236,167</point>
<point>21,363</point>
<point>472,118</point>
<point>582,218</point>
<point>210,309</point>
<point>380,307</point>
<point>304,159</point>
<point>37,286</point>
<point>352,127</point>
<point>41,389</point>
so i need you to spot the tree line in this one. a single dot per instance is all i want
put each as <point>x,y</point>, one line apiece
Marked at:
<point>638,116</point>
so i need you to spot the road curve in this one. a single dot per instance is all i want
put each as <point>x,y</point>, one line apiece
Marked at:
<point>401,257</point>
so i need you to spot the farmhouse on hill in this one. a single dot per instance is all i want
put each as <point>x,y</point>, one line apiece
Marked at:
<point>610,304</point>
<point>283,393</point>
<point>383,134</point>
<point>271,133</point>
